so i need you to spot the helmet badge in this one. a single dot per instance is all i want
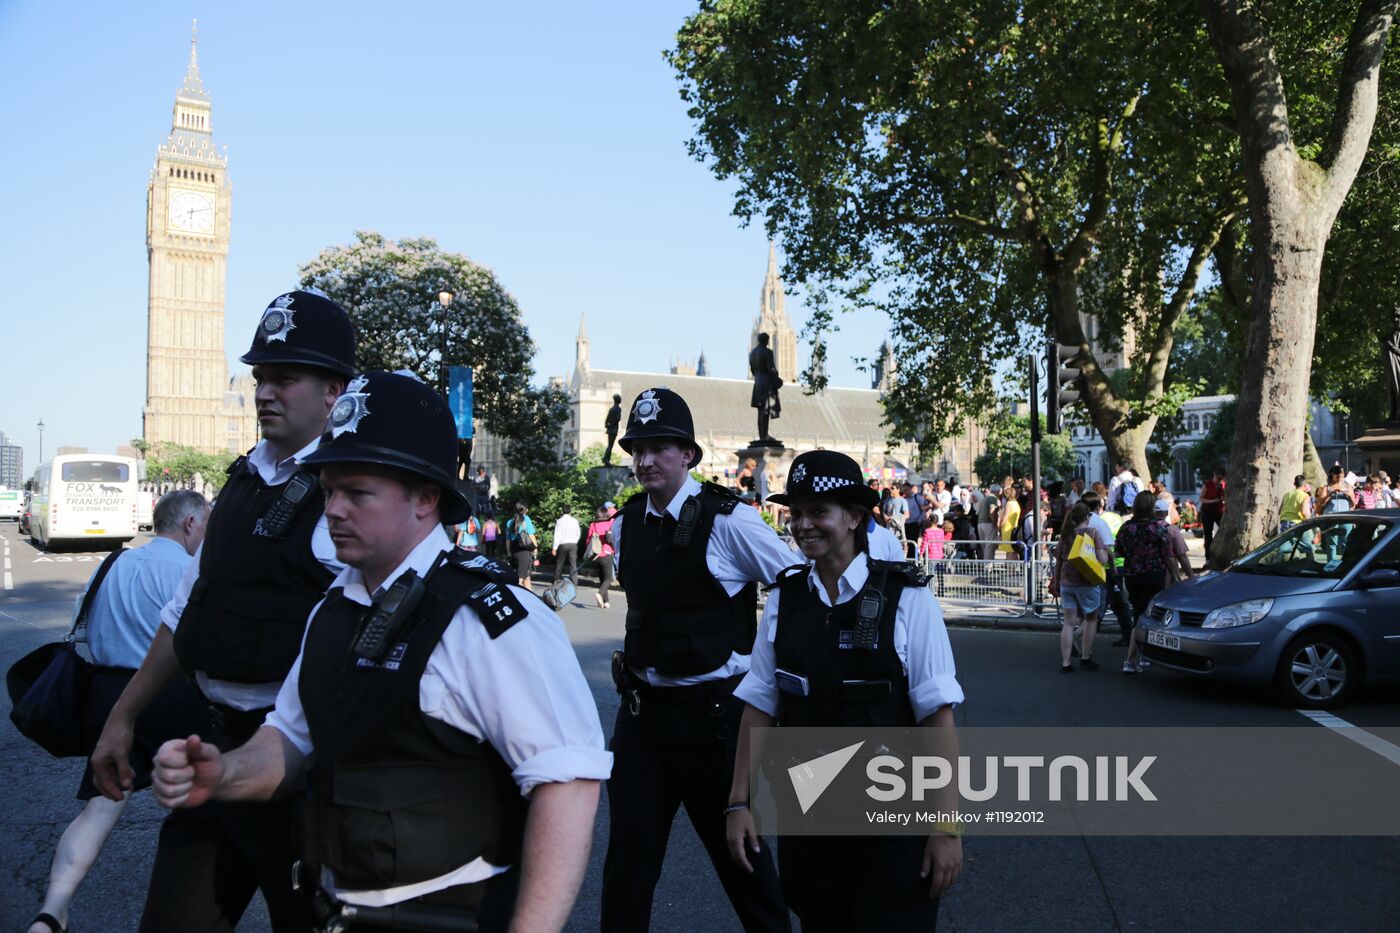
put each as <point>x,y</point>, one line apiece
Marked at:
<point>647,408</point>
<point>277,320</point>
<point>349,409</point>
<point>799,474</point>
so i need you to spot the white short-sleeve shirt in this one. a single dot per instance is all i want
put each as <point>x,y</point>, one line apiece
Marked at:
<point>920,640</point>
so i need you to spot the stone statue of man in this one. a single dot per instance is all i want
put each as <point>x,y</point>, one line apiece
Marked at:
<point>766,384</point>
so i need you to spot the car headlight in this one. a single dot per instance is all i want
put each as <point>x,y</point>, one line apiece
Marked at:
<point>1245,613</point>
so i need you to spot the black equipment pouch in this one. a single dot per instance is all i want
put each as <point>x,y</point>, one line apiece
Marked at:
<point>278,517</point>
<point>388,615</point>
<point>685,526</point>
<point>619,671</point>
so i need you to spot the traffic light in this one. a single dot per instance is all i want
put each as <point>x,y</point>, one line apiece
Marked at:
<point>1062,386</point>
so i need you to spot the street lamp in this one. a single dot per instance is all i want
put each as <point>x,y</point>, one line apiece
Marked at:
<point>41,440</point>
<point>444,299</point>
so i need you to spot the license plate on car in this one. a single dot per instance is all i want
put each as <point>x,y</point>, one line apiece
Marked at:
<point>1163,640</point>
<point>95,531</point>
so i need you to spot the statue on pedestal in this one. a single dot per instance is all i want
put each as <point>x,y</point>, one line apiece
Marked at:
<point>1390,363</point>
<point>610,425</point>
<point>766,383</point>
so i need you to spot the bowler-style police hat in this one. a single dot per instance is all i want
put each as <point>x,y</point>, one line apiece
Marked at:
<point>660,414</point>
<point>827,473</point>
<point>306,329</point>
<point>393,420</point>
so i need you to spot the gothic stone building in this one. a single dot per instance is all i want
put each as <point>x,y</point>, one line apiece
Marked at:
<point>190,397</point>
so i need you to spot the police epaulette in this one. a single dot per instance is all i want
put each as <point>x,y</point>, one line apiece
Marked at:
<point>786,574</point>
<point>481,564</point>
<point>237,464</point>
<point>906,570</point>
<point>793,571</point>
<point>727,499</point>
<point>496,606</point>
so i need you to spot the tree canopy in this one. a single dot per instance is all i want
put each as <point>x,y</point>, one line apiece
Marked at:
<point>390,290</point>
<point>982,173</point>
<point>1008,452</point>
<point>179,464</point>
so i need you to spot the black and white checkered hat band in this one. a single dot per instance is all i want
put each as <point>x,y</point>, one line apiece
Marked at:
<point>823,483</point>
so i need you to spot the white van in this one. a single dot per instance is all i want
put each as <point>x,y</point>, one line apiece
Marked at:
<point>84,497</point>
<point>11,503</point>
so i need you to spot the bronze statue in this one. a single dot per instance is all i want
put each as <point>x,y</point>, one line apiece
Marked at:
<point>610,425</point>
<point>766,383</point>
<point>1391,364</point>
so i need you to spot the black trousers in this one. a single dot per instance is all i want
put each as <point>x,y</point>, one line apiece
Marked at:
<point>1210,520</point>
<point>567,556</point>
<point>211,859</point>
<point>1118,600</point>
<point>668,755</point>
<point>1141,588</point>
<point>856,884</point>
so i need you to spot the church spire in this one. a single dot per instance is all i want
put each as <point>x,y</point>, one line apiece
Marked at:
<point>773,320</point>
<point>581,348</point>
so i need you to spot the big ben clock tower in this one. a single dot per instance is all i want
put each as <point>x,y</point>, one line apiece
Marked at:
<point>187,236</point>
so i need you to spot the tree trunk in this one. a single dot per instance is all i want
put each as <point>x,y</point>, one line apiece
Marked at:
<point>1292,205</point>
<point>1313,470</point>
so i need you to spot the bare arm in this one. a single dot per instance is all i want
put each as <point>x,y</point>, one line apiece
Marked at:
<point>111,768</point>
<point>943,855</point>
<point>739,826</point>
<point>558,834</point>
<point>189,772</point>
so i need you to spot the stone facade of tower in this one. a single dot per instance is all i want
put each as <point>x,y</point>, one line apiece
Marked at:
<point>190,398</point>
<point>772,320</point>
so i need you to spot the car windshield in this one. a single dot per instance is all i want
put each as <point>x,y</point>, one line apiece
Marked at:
<point>1327,547</point>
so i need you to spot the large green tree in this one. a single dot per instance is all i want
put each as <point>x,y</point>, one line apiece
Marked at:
<point>1008,451</point>
<point>1299,159</point>
<point>390,290</point>
<point>983,173</point>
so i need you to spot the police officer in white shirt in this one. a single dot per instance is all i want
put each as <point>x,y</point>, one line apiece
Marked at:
<point>812,667</point>
<point>431,700</point>
<point>689,558</point>
<point>235,625</point>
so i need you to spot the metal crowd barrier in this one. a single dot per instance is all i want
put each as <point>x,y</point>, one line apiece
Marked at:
<point>1007,583</point>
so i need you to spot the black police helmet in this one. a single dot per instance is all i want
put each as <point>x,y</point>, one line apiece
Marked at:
<point>392,419</point>
<point>827,473</point>
<point>306,329</point>
<point>660,414</point>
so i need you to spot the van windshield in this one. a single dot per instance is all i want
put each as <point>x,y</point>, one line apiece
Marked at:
<point>96,471</point>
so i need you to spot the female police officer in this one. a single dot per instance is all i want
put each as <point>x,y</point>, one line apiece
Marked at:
<point>809,635</point>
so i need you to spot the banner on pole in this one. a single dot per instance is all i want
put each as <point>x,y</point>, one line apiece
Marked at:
<point>459,399</point>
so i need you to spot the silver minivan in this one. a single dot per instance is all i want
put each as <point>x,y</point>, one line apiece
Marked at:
<point>1314,613</point>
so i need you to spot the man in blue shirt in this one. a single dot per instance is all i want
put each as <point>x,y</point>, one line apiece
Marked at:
<point>121,624</point>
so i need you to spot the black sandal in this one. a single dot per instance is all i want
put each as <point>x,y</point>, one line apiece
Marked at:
<point>48,920</point>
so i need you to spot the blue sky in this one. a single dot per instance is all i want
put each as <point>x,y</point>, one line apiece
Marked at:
<point>544,140</point>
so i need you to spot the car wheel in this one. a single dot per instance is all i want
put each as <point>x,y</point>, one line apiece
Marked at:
<point>1317,671</point>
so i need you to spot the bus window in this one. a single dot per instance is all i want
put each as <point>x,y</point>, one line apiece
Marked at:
<point>95,471</point>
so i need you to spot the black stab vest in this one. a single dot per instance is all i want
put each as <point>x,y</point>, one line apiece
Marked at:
<point>248,609</point>
<point>808,641</point>
<point>680,620</point>
<point>398,797</point>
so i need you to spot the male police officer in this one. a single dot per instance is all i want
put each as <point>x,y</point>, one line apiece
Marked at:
<point>434,696</point>
<point>688,558</point>
<point>235,624</point>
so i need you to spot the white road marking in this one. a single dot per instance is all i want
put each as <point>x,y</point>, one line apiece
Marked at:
<point>1387,750</point>
<point>9,581</point>
<point>7,562</point>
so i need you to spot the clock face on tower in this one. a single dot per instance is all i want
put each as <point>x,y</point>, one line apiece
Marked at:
<point>191,210</point>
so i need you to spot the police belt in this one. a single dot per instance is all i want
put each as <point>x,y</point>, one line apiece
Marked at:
<point>630,686</point>
<point>238,725</point>
<point>424,918</point>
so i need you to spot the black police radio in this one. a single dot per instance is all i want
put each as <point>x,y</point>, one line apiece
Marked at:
<point>388,614</point>
<point>279,516</point>
<point>869,609</point>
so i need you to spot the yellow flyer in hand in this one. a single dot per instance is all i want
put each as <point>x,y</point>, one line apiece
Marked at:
<point>1083,558</point>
